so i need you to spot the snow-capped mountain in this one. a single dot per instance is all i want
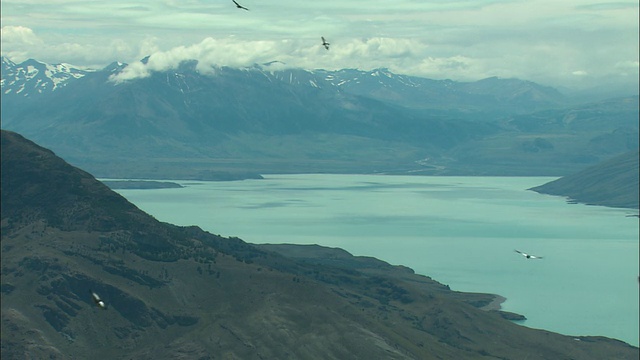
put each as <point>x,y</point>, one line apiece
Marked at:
<point>318,120</point>
<point>33,77</point>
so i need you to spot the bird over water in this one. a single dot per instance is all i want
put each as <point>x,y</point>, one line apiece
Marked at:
<point>528,256</point>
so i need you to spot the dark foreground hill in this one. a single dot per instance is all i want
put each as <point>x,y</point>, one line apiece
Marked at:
<point>611,183</point>
<point>181,293</point>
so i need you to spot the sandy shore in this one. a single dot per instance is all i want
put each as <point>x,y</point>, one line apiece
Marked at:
<point>496,304</point>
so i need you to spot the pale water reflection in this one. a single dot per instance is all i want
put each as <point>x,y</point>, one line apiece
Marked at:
<point>462,231</point>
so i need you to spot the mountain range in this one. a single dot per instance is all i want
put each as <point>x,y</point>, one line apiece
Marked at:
<point>183,123</point>
<point>32,77</point>
<point>178,292</point>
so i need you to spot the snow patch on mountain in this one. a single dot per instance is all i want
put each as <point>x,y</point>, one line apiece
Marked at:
<point>34,77</point>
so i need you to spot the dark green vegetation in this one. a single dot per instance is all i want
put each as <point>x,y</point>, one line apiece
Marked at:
<point>179,292</point>
<point>611,183</point>
<point>182,124</point>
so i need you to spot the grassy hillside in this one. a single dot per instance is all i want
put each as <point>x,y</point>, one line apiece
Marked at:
<point>611,183</point>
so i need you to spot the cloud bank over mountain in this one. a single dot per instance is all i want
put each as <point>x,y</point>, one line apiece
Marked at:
<point>211,53</point>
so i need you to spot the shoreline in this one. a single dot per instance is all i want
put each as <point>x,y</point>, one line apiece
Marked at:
<point>495,304</point>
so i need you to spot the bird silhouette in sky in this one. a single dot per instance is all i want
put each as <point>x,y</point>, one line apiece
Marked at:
<point>528,256</point>
<point>325,43</point>
<point>239,6</point>
<point>97,300</point>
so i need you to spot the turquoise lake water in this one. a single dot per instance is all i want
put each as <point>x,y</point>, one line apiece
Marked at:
<point>461,231</point>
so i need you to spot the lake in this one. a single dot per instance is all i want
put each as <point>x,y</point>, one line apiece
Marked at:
<point>461,231</point>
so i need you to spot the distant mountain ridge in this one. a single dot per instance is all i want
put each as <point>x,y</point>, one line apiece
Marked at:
<point>178,292</point>
<point>181,123</point>
<point>484,95</point>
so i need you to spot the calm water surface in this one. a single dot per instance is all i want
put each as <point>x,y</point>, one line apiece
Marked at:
<point>461,231</point>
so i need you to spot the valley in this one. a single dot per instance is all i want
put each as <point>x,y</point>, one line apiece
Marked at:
<point>235,123</point>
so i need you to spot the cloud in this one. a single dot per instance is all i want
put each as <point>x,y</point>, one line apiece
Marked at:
<point>232,52</point>
<point>382,48</point>
<point>209,53</point>
<point>604,6</point>
<point>562,63</point>
<point>628,68</point>
<point>19,35</point>
<point>628,65</point>
<point>19,40</point>
<point>20,43</point>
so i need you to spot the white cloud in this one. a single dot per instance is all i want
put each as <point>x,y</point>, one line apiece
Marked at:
<point>628,65</point>
<point>233,52</point>
<point>18,41</point>
<point>209,53</point>
<point>19,36</point>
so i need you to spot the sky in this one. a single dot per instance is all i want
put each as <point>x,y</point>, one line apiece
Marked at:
<point>564,43</point>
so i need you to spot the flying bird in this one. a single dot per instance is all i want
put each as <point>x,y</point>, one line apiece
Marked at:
<point>528,256</point>
<point>97,300</point>
<point>239,6</point>
<point>325,43</point>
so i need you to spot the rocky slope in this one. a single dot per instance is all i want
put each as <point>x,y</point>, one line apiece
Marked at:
<point>181,293</point>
